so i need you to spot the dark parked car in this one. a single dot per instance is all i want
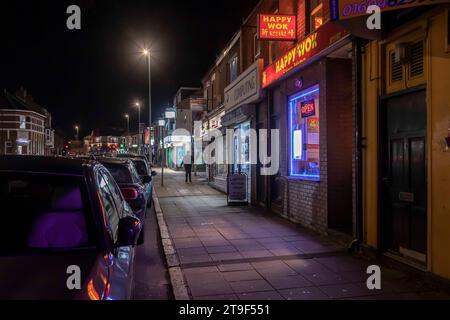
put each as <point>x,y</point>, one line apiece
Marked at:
<point>144,171</point>
<point>59,215</point>
<point>132,185</point>
<point>131,156</point>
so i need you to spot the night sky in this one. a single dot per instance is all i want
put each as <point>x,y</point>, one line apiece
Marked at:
<point>92,76</point>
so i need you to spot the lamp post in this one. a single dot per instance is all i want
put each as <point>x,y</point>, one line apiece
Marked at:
<point>138,105</point>
<point>127,116</point>
<point>162,124</point>
<point>147,53</point>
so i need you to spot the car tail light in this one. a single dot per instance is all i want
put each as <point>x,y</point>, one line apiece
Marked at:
<point>130,193</point>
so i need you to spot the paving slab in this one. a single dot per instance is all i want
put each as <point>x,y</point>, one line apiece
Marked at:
<point>246,253</point>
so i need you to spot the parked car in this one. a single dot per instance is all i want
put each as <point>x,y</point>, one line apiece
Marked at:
<point>130,183</point>
<point>131,155</point>
<point>144,170</point>
<point>59,215</point>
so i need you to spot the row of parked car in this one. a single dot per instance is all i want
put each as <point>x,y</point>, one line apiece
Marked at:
<point>70,226</point>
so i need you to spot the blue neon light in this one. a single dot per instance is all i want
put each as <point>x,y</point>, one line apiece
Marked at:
<point>291,125</point>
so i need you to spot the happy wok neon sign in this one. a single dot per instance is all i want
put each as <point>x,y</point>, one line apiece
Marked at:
<point>303,51</point>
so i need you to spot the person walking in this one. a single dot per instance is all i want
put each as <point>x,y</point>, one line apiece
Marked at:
<point>187,162</point>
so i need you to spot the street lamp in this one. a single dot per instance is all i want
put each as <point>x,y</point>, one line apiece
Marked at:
<point>138,105</point>
<point>147,53</point>
<point>77,130</point>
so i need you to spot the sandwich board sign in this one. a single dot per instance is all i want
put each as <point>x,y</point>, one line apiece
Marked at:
<point>237,189</point>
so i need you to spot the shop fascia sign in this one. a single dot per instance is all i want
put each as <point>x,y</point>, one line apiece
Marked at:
<point>304,51</point>
<point>246,88</point>
<point>277,27</point>
<point>347,9</point>
<point>198,104</point>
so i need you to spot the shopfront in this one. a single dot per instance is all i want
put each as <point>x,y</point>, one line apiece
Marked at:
<point>217,172</point>
<point>241,99</point>
<point>311,104</point>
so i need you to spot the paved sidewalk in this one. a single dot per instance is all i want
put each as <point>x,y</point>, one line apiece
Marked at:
<point>230,253</point>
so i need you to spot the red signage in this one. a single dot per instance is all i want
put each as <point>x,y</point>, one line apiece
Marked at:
<point>277,27</point>
<point>308,109</point>
<point>306,49</point>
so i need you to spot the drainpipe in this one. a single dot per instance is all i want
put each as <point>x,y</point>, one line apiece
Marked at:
<point>357,54</point>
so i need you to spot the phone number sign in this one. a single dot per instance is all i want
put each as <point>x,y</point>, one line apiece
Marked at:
<point>346,9</point>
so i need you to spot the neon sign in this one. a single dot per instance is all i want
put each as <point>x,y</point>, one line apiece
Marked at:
<point>277,27</point>
<point>306,49</point>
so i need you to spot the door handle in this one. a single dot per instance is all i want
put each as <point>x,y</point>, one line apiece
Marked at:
<point>387,181</point>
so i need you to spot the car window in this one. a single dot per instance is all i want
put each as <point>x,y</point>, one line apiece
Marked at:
<point>44,212</point>
<point>115,191</point>
<point>134,174</point>
<point>141,167</point>
<point>109,206</point>
<point>120,172</point>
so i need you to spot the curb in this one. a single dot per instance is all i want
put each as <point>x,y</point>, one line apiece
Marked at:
<point>179,287</point>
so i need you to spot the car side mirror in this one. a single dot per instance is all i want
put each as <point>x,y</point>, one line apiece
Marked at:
<point>128,233</point>
<point>147,179</point>
<point>154,173</point>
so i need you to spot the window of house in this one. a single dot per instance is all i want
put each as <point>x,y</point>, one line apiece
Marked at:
<point>316,16</point>
<point>23,122</point>
<point>233,68</point>
<point>305,134</point>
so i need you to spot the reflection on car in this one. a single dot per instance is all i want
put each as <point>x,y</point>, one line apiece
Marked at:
<point>60,213</point>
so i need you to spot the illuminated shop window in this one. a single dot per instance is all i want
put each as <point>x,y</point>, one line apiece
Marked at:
<point>305,134</point>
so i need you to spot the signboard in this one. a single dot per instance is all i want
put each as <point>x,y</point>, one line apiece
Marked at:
<point>198,104</point>
<point>147,136</point>
<point>304,51</point>
<point>277,27</point>
<point>170,115</point>
<point>313,130</point>
<point>237,188</point>
<point>216,122</point>
<point>308,108</point>
<point>313,152</point>
<point>246,88</point>
<point>347,9</point>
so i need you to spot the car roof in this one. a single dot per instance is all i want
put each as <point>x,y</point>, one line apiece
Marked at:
<point>114,161</point>
<point>43,164</point>
<point>131,156</point>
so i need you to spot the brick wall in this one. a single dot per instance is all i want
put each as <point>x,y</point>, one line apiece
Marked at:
<point>305,202</point>
<point>340,144</point>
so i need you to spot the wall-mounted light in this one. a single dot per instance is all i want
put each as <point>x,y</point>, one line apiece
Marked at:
<point>299,83</point>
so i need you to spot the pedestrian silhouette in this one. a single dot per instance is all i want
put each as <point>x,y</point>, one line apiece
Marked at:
<point>187,163</point>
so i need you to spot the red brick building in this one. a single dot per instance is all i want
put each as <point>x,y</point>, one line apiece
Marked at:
<point>25,127</point>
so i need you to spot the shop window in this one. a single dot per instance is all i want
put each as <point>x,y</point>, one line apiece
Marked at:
<point>316,15</point>
<point>305,134</point>
<point>23,122</point>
